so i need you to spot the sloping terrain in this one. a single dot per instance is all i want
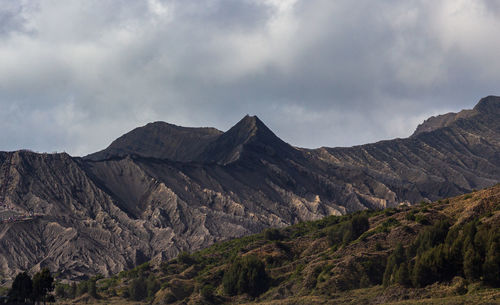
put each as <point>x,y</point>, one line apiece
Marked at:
<point>418,254</point>
<point>163,189</point>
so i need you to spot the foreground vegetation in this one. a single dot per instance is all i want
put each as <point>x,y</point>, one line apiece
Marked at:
<point>446,252</point>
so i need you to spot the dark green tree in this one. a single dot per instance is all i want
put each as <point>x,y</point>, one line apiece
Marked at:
<point>472,264</point>
<point>393,263</point>
<point>403,275</point>
<point>359,224</point>
<point>21,290</point>
<point>138,289</point>
<point>72,290</point>
<point>92,289</point>
<point>491,267</point>
<point>246,275</point>
<point>43,283</point>
<point>152,286</point>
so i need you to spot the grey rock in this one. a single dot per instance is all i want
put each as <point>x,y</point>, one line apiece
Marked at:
<point>162,189</point>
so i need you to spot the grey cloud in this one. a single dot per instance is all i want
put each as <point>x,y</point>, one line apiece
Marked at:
<point>318,72</point>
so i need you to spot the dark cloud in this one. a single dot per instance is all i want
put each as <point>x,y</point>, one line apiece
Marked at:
<point>76,75</point>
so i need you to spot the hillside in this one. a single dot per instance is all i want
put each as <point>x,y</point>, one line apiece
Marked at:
<point>403,255</point>
<point>163,189</point>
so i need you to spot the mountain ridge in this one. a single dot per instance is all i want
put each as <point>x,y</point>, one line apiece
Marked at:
<point>185,194</point>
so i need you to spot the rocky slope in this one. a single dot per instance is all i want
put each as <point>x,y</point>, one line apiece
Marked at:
<point>162,189</point>
<point>314,262</point>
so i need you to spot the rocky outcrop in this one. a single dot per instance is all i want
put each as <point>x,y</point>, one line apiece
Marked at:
<point>162,189</point>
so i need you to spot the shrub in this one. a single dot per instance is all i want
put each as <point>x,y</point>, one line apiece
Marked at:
<point>138,289</point>
<point>273,235</point>
<point>152,286</point>
<point>186,259</point>
<point>60,291</point>
<point>207,292</point>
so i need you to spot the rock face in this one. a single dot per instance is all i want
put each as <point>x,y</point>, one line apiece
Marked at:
<point>160,140</point>
<point>162,189</point>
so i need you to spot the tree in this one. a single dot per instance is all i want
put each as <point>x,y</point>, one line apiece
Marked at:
<point>246,275</point>
<point>138,289</point>
<point>72,290</point>
<point>21,290</point>
<point>60,291</point>
<point>403,275</point>
<point>472,264</point>
<point>43,283</point>
<point>359,224</point>
<point>491,267</point>
<point>393,264</point>
<point>152,286</point>
<point>92,289</point>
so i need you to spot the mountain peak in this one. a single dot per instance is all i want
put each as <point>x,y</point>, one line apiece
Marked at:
<point>249,134</point>
<point>489,105</point>
<point>486,106</point>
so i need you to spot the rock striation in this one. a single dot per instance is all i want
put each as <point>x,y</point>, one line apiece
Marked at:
<point>162,189</point>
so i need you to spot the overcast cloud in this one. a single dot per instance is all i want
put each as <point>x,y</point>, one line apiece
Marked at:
<point>75,75</point>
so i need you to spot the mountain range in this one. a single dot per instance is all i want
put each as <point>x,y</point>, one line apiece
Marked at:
<point>162,189</point>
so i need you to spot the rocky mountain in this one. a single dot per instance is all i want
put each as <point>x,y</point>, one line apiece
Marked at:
<point>162,189</point>
<point>160,140</point>
<point>418,254</point>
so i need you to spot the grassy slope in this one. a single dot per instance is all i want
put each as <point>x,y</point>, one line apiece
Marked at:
<point>308,267</point>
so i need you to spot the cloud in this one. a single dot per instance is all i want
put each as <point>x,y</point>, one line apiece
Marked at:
<point>74,75</point>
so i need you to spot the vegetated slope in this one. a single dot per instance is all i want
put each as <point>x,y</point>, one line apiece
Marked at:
<point>164,189</point>
<point>435,252</point>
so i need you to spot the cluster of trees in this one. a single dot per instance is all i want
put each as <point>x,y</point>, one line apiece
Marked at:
<point>439,253</point>
<point>26,290</point>
<point>246,275</point>
<point>348,231</point>
<point>141,288</point>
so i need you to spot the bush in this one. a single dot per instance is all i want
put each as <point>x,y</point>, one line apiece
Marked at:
<point>152,286</point>
<point>186,259</point>
<point>82,288</point>
<point>138,289</point>
<point>92,289</point>
<point>273,235</point>
<point>421,219</point>
<point>60,291</point>
<point>207,292</point>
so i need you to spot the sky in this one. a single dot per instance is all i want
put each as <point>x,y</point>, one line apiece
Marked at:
<point>75,75</point>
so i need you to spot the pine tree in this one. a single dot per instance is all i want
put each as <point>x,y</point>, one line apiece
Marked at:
<point>402,275</point>
<point>21,290</point>
<point>491,267</point>
<point>43,283</point>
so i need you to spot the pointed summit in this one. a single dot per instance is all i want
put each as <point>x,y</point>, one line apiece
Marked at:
<point>249,135</point>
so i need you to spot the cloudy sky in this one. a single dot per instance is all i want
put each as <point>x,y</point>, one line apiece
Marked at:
<point>74,75</point>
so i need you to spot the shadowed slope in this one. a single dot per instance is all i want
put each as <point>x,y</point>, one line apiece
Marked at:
<point>160,140</point>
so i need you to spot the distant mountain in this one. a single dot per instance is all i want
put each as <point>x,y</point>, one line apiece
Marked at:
<point>160,140</point>
<point>162,189</point>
